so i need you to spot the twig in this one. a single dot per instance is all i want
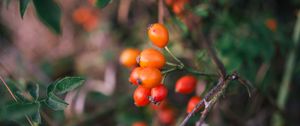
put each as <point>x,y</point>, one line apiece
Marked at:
<point>15,99</point>
<point>160,11</point>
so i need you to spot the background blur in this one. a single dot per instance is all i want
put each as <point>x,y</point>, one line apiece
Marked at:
<point>253,37</point>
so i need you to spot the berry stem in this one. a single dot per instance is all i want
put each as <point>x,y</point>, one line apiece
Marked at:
<point>191,70</point>
<point>171,64</point>
<point>173,56</point>
<point>169,70</point>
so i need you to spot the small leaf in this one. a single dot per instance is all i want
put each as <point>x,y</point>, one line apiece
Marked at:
<point>23,6</point>
<point>102,3</point>
<point>55,102</point>
<point>33,90</point>
<point>36,117</point>
<point>67,84</point>
<point>19,110</point>
<point>49,13</point>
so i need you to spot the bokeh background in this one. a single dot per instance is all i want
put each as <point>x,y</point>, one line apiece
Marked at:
<point>258,39</point>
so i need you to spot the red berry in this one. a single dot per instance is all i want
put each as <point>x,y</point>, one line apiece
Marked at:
<point>139,123</point>
<point>158,93</point>
<point>141,96</point>
<point>166,116</point>
<point>192,103</point>
<point>186,84</point>
<point>134,76</point>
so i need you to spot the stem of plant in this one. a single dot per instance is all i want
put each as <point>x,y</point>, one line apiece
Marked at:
<point>174,57</point>
<point>15,99</point>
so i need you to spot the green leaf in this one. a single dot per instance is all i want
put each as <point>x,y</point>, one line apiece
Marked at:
<point>33,90</point>
<point>20,97</point>
<point>36,117</point>
<point>19,110</point>
<point>102,3</point>
<point>23,6</point>
<point>55,102</point>
<point>67,84</point>
<point>49,13</point>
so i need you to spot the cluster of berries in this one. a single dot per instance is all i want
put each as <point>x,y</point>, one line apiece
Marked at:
<point>148,77</point>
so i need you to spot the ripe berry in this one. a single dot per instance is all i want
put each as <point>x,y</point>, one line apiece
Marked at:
<point>139,123</point>
<point>128,57</point>
<point>135,75</point>
<point>141,96</point>
<point>186,84</point>
<point>166,116</point>
<point>149,77</point>
<point>271,24</point>
<point>158,93</point>
<point>152,58</point>
<point>158,34</point>
<point>192,103</point>
<point>82,14</point>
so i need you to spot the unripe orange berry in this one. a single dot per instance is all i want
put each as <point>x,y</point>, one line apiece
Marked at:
<point>141,96</point>
<point>128,57</point>
<point>134,76</point>
<point>158,34</point>
<point>151,58</point>
<point>186,84</point>
<point>149,77</point>
<point>192,104</point>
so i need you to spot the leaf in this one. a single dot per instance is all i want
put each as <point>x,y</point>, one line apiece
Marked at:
<point>33,90</point>
<point>19,110</point>
<point>36,117</point>
<point>102,3</point>
<point>55,102</point>
<point>23,6</point>
<point>67,84</point>
<point>49,13</point>
<point>20,97</point>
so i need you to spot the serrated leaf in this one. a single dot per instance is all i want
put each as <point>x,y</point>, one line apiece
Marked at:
<point>102,3</point>
<point>67,84</point>
<point>23,6</point>
<point>33,90</point>
<point>19,110</point>
<point>55,102</point>
<point>49,13</point>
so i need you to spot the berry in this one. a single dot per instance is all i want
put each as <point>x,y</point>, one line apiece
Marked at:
<point>141,96</point>
<point>158,93</point>
<point>158,34</point>
<point>149,77</point>
<point>128,57</point>
<point>152,58</point>
<point>271,24</point>
<point>192,103</point>
<point>139,123</point>
<point>135,75</point>
<point>82,14</point>
<point>186,84</point>
<point>166,116</point>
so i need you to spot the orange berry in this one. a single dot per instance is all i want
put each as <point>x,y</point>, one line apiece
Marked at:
<point>91,23</point>
<point>134,76</point>
<point>152,58</point>
<point>169,2</point>
<point>82,14</point>
<point>192,104</point>
<point>149,77</point>
<point>271,24</point>
<point>128,57</point>
<point>140,96</point>
<point>158,34</point>
<point>186,84</point>
<point>178,7</point>
<point>139,123</point>
<point>92,2</point>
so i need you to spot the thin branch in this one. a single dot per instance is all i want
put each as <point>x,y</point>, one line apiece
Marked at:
<point>160,11</point>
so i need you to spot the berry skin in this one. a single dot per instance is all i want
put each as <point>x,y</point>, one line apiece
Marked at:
<point>149,77</point>
<point>128,57</point>
<point>158,93</point>
<point>134,76</point>
<point>186,84</point>
<point>152,58</point>
<point>166,116</point>
<point>158,34</point>
<point>192,103</point>
<point>139,123</point>
<point>141,96</point>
